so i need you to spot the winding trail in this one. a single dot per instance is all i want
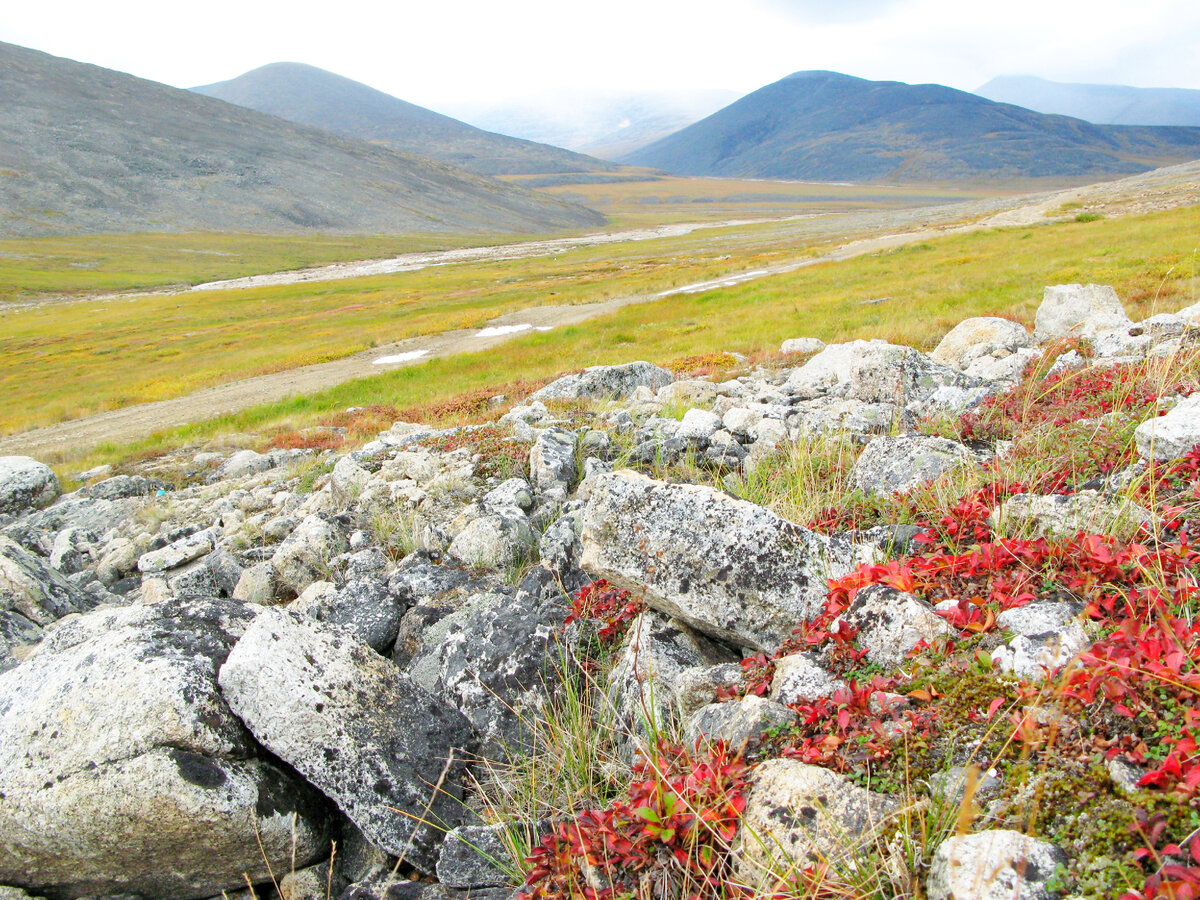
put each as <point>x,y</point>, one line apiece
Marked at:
<point>134,422</point>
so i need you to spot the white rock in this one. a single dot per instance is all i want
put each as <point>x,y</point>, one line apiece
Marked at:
<point>798,677</point>
<point>905,461</point>
<point>1172,435</point>
<point>985,337</point>
<point>25,484</point>
<point>492,542</point>
<point>890,623</point>
<point>802,345</point>
<point>1074,310</point>
<point>1036,656</point>
<point>993,865</point>
<point>698,424</point>
<point>179,552</point>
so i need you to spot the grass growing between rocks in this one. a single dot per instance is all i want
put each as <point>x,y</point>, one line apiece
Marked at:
<point>1148,259</point>
<point>1097,753</point>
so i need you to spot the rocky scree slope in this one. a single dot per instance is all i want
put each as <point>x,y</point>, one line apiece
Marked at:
<point>972,675</point>
<point>86,149</point>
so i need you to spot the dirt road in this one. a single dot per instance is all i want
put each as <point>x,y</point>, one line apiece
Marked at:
<point>1167,187</point>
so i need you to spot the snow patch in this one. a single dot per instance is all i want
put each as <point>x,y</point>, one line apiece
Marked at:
<point>400,357</point>
<point>501,330</point>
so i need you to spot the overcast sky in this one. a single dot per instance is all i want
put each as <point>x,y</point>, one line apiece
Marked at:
<point>470,51</point>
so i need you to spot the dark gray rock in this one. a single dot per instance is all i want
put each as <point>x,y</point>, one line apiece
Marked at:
<point>16,632</point>
<point>122,770</point>
<point>364,608</point>
<point>30,587</point>
<point>480,856</point>
<point>390,755</point>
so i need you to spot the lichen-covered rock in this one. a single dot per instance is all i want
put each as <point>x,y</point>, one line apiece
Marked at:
<point>643,683</point>
<point>495,660</point>
<point>605,382</point>
<point>1078,310</point>
<point>363,607</point>
<point>873,372</point>
<point>179,552</point>
<point>386,752</point>
<point>724,566</point>
<point>698,426</point>
<point>30,587</point>
<point>802,345</point>
<point>901,463</point>
<point>492,542</point>
<point>1057,515</point>
<point>797,815</point>
<point>891,622</point>
<point>552,459</point>
<point>122,487</point>
<point>122,770</point>
<point>479,856</point>
<point>17,632</point>
<point>1035,656</point>
<point>307,553</point>
<point>1172,435</point>
<point>739,723</point>
<point>1039,617</point>
<point>979,338</point>
<point>798,677</point>
<point>25,484</point>
<point>993,865</point>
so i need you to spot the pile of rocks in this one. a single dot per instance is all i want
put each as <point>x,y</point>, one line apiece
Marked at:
<point>209,686</point>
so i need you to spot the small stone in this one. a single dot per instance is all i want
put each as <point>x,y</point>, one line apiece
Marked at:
<point>739,723</point>
<point>993,865</point>
<point>891,623</point>
<point>798,678</point>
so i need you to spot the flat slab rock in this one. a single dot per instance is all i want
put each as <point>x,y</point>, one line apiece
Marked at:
<point>388,753</point>
<point>122,771</point>
<point>726,567</point>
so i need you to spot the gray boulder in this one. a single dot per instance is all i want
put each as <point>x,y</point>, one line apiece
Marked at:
<point>552,460</point>
<point>386,752</point>
<point>979,338</point>
<point>363,607</point>
<point>496,661</point>
<point>122,487</point>
<point>1172,435</point>
<point>492,542</point>
<point>306,555</point>
<point>890,623</point>
<point>606,383</point>
<point>25,484</point>
<point>179,552</point>
<point>644,681</point>
<point>476,856</point>
<point>802,345</point>
<point>1078,310</point>
<point>724,566</point>
<point>122,770</point>
<point>993,865</point>
<point>873,372</point>
<point>1036,656</point>
<point>739,723</point>
<point>901,463</point>
<point>1056,515</point>
<point>797,815</point>
<point>30,587</point>
<point>798,677</point>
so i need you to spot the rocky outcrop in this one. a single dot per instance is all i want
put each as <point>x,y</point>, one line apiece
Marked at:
<point>606,382</point>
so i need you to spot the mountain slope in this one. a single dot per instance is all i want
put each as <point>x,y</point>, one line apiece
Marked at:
<point>830,127</point>
<point>87,149</point>
<point>1104,104</point>
<point>312,96</point>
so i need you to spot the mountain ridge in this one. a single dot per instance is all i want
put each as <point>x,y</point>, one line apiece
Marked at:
<point>1103,104</point>
<point>312,96</point>
<point>827,126</point>
<point>88,149</point>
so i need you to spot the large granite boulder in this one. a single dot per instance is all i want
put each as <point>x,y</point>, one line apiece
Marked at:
<point>724,566</point>
<point>25,484</point>
<point>388,753</point>
<point>123,771</point>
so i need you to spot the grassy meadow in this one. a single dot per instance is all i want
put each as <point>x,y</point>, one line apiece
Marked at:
<point>1151,260</point>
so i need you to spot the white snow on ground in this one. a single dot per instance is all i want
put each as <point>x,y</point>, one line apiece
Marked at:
<point>501,330</point>
<point>400,357</point>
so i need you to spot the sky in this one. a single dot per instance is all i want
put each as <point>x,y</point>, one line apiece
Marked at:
<point>474,52</point>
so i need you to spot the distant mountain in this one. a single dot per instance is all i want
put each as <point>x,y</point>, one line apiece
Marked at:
<point>1104,104</point>
<point>607,125</point>
<point>312,96</point>
<point>86,149</point>
<point>823,126</point>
